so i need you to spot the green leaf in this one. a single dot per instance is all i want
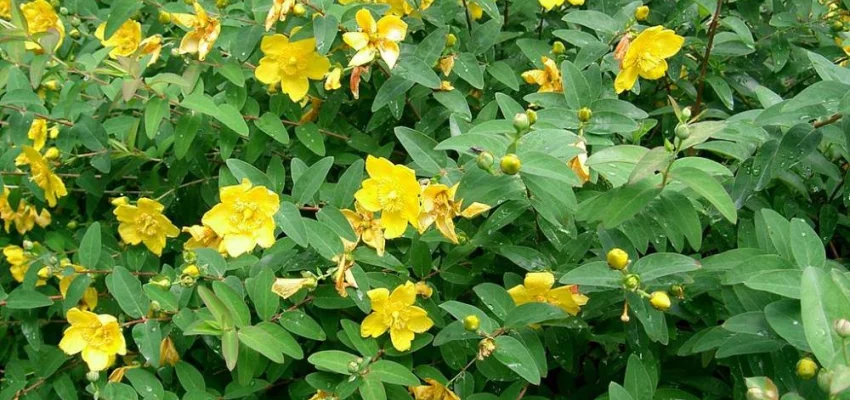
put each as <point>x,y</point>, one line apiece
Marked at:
<point>155,110</point>
<point>119,13</point>
<point>722,89</point>
<point>578,94</point>
<point>421,149</point>
<point>785,282</point>
<point>659,265</point>
<point>185,132</point>
<point>148,337</point>
<point>785,318</point>
<point>414,69</point>
<point>504,74</point>
<point>234,302</point>
<point>290,221</point>
<point>823,302</point>
<point>334,219</point>
<point>309,183</point>
<point>230,348</point>
<point>514,355</point>
<point>806,245</point>
<point>348,184</point>
<point>332,361</point>
<point>242,170</point>
<point>596,273</point>
<point>167,300</point>
<point>273,126</point>
<point>496,298</point>
<point>617,392</point>
<point>462,310</point>
<point>323,239</point>
<point>259,289</point>
<point>308,134</point>
<point>217,308</point>
<point>371,388</point>
<point>638,383</point>
<point>595,20</point>
<point>127,290</point>
<point>303,325</point>
<point>190,378</point>
<point>90,246</point>
<point>145,383</point>
<point>392,373</point>
<point>430,48</point>
<point>325,28</point>
<point>232,71</point>
<point>270,340</point>
<point>709,188</point>
<point>455,101</point>
<point>468,69</point>
<point>533,313</point>
<point>624,202</point>
<point>25,299</point>
<point>392,89</point>
<point>654,322</point>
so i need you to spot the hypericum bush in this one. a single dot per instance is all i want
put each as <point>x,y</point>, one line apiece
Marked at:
<point>424,199</point>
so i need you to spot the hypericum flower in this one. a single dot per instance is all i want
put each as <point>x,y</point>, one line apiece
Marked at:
<point>203,237</point>
<point>439,207</point>
<point>432,391</point>
<point>41,17</point>
<point>323,395</point>
<point>6,211</point>
<point>6,9</point>
<point>151,45</point>
<point>395,312</point>
<point>537,287</point>
<point>579,163</point>
<point>144,223</point>
<point>332,80</point>
<point>292,64</point>
<point>548,78</point>
<point>244,218</point>
<point>203,31</point>
<point>366,227</point>
<point>376,37</point>
<point>278,12</point>
<point>124,42</point>
<point>646,56</point>
<point>89,300</point>
<point>447,63</point>
<point>287,287</point>
<point>43,176</point>
<point>25,218</point>
<point>98,337</point>
<point>392,190</point>
<point>19,263</point>
<point>39,132</point>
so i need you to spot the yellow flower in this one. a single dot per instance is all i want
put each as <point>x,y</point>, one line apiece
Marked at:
<point>43,176</point>
<point>332,80</point>
<point>151,45</point>
<point>423,289</point>
<point>39,132</point>
<point>395,312</point>
<point>203,31</point>
<point>19,261</point>
<point>6,211</point>
<point>550,4</point>
<point>124,42</point>
<point>6,9</point>
<point>244,218</point>
<point>366,227</point>
<point>432,391</point>
<point>203,237</point>
<point>641,13</point>
<point>322,395</point>
<point>579,163</point>
<point>98,337</point>
<point>446,86</point>
<point>439,207</point>
<point>287,287</point>
<point>447,63</point>
<point>292,64</point>
<point>144,223</point>
<point>646,56</point>
<point>393,190</point>
<point>538,288</point>
<point>41,17</point>
<point>399,8</point>
<point>548,78</point>
<point>576,2</point>
<point>25,218</point>
<point>278,12</point>
<point>376,37</point>
<point>475,11</point>
<point>89,300</point>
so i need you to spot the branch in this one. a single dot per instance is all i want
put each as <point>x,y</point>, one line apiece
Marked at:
<point>834,118</point>
<point>712,30</point>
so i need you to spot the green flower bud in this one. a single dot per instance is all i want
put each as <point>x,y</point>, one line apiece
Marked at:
<point>471,323</point>
<point>682,131</point>
<point>485,160</point>
<point>558,47</point>
<point>521,122</point>
<point>584,114</point>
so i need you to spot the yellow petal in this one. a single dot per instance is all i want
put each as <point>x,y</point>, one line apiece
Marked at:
<point>295,86</point>
<point>367,196</point>
<point>365,21</point>
<point>362,57</point>
<point>73,341</point>
<point>474,210</point>
<point>538,283</point>
<point>394,224</point>
<point>401,338</point>
<point>392,28</point>
<point>418,320</point>
<point>404,294</point>
<point>626,79</point>
<point>373,325</point>
<point>274,44</point>
<point>655,73</point>
<point>389,52</point>
<point>357,40</point>
<point>379,298</point>
<point>96,359</point>
<point>519,294</point>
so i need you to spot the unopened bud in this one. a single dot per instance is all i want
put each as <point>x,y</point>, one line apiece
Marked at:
<point>155,306</point>
<point>299,10</point>
<point>189,256</point>
<point>51,153</point>
<point>686,113</point>
<point>451,40</point>
<point>824,380</point>
<point>532,116</point>
<point>660,300</point>
<point>806,368</point>
<point>164,17</point>
<point>641,13</point>
<point>510,164</point>
<point>221,3</point>
<point>682,131</point>
<point>63,10</point>
<point>558,47</point>
<point>72,225</point>
<point>161,281</point>
<point>677,290</point>
<point>75,33</point>
<point>584,114</point>
<point>75,21</point>
<point>27,245</point>
<point>192,270</point>
<point>631,282</point>
<point>45,273</point>
<point>485,160</point>
<point>617,259</point>
<point>521,122</point>
<point>93,376</point>
<point>842,327</point>
<point>471,323</point>
<point>353,367</point>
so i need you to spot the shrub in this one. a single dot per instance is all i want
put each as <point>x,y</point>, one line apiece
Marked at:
<point>424,199</point>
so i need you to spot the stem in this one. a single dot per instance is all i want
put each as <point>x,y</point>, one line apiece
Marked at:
<point>833,119</point>
<point>505,23</point>
<point>540,26</point>
<point>712,30</point>
<point>468,17</point>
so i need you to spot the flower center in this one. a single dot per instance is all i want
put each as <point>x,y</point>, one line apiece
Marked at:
<point>648,61</point>
<point>246,217</point>
<point>147,224</point>
<point>390,196</point>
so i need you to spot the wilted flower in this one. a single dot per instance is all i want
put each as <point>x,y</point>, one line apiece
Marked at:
<point>548,78</point>
<point>439,207</point>
<point>203,31</point>
<point>332,80</point>
<point>43,176</point>
<point>278,12</point>
<point>287,287</point>
<point>367,228</point>
<point>432,391</point>
<point>203,237</point>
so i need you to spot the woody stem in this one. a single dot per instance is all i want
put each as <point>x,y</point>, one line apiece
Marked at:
<point>712,29</point>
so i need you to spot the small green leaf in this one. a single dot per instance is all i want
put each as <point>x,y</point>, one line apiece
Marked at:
<point>332,361</point>
<point>707,187</point>
<point>90,246</point>
<point>392,373</point>
<point>514,355</point>
<point>273,127</point>
<point>242,170</point>
<point>25,299</point>
<point>308,134</point>
<point>127,290</point>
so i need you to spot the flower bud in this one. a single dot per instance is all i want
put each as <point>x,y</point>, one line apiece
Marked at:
<point>558,47</point>
<point>682,131</point>
<point>532,116</point>
<point>299,10</point>
<point>155,306</point>
<point>842,328</point>
<point>471,323</point>
<point>837,26</point>
<point>75,33</point>
<point>27,245</point>
<point>93,376</point>
<point>686,113</point>
<point>451,40</point>
<point>824,380</point>
<point>72,225</point>
<point>485,160</point>
<point>486,347</point>
<point>75,21</point>
<point>120,201</point>
<point>631,281</point>
<point>187,281</point>
<point>641,13</point>
<point>51,153</point>
<point>618,259</point>
<point>221,3</point>
<point>192,270</point>
<point>755,393</point>
<point>806,368</point>
<point>660,300</point>
<point>164,17</point>
<point>63,10</point>
<point>521,122</point>
<point>510,164</point>
<point>584,114</point>
<point>423,289</point>
<point>677,290</point>
<point>45,273</point>
<point>353,367</point>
